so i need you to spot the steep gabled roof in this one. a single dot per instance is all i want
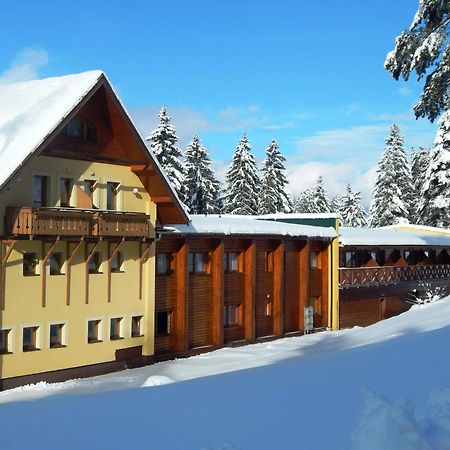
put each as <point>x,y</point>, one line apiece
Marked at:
<point>32,112</point>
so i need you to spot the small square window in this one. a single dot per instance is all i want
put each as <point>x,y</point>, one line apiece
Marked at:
<point>56,263</point>
<point>29,339</point>
<point>232,316</point>
<point>198,262</point>
<point>117,262</point>
<point>93,331</point>
<point>95,263</point>
<point>56,335</point>
<point>231,262</point>
<point>163,263</point>
<point>115,329</point>
<point>4,341</point>
<point>30,264</point>
<point>136,326</point>
<point>163,323</point>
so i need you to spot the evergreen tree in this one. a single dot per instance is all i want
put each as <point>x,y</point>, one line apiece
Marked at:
<point>273,196</point>
<point>243,184</point>
<point>425,49</point>
<point>304,203</point>
<point>434,208</point>
<point>201,186</point>
<point>352,212</point>
<point>392,194</point>
<point>163,144</point>
<point>420,161</point>
<point>320,200</point>
<point>336,204</point>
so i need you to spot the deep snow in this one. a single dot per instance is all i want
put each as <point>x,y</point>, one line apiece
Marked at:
<point>380,387</point>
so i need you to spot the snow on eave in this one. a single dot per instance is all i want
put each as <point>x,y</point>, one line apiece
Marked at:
<point>372,237</point>
<point>248,226</point>
<point>408,227</point>
<point>31,111</point>
<point>280,216</point>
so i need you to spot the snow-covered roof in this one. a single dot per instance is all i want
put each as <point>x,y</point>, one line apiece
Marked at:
<point>388,237</point>
<point>227,225</point>
<point>281,216</point>
<point>31,110</point>
<point>418,228</point>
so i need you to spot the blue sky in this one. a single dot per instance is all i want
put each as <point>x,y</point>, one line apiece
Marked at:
<point>309,74</point>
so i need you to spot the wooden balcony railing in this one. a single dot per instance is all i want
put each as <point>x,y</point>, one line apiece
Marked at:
<point>74,222</point>
<point>374,276</point>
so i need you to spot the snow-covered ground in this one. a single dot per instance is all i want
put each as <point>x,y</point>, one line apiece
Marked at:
<point>382,387</point>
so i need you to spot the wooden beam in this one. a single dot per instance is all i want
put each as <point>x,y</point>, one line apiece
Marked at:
<point>218,294</point>
<point>325,257</point>
<point>86,269</point>
<point>250,291</point>
<point>182,278</point>
<point>69,267</point>
<point>162,199</point>
<point>4,256</point>
<point>278,289</point>
<point>143,256</point>
<point>137,168</point>
<point>44,270</point>
<point>304,283</point>
<point>108,264</point>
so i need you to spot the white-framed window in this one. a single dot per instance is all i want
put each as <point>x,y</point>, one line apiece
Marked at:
<point>137,322</point>
<point>31,338</point>
<point>94,331</point>
<point>57,335</point>
<point>115,328</point>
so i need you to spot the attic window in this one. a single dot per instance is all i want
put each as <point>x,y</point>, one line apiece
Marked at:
<point>79,129</point>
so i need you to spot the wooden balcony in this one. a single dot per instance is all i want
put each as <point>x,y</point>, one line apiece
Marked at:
<point>376,276</point>
<point>75,222</point>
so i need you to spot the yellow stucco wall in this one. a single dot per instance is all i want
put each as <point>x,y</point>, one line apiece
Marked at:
<point>23,299</point>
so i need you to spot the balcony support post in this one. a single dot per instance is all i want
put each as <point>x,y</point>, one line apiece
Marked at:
<point>142,260</point>
<point>69,267</point>
<point>3,260</point>
<point>44,269</point>
<point>86,269</point>
<point>108,263</point>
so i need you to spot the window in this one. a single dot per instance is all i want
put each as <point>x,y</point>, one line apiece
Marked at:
<point>79,129</point>
<point>163,323</point>
<point>112,190</point>
<point>163,263</point>
<point>268,306</point>
<point>95,263</point>
<point>4,341</point>
<point>198,262</point>
<point>56,263</point>
<point>56,335</point>
<point>232,315</point>
<point>88,189</point>
<point>29,339</point>
<point>117,262</point>
<point>65,191</point>
<point>39,191</point>
<point>30,264</point>
<point>314,260</point>
<point>115,329</point>
<point>268,261</point>
<point>93,333</point>
<point>136,326</point>
<point>231,262</point>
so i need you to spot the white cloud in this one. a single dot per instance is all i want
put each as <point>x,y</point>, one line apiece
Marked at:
<point>404,91</point>
<point>25,66</point>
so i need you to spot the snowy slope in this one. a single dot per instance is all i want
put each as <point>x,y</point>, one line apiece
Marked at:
<point>337,390</point>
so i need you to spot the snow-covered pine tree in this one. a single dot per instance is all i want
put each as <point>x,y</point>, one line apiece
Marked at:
<point>420,160</point>
<point>425,49</point>
<point>304,203</point>
<point>320,199</point>
<point>336,204</point>
<point>273,195</point>
<point>243,184</point>
<point>163,144</point>
<point>352,212</point>
<point>202,187</point>
<point>434,208</point>
<point>392,194</point>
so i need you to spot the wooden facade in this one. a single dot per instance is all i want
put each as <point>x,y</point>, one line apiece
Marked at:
<point>377,282</point>
<point>218,290</point>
